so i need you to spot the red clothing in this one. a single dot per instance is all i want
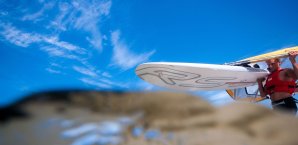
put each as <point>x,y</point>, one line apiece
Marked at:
<point>274,84</point>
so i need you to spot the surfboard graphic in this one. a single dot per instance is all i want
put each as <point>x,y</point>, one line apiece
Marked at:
<point>198,76</point>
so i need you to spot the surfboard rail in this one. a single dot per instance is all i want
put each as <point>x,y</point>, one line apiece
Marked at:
<point>282,53</point>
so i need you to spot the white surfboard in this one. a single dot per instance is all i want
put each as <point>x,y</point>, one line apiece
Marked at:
<point>251,93</point>
<point>198,76</point>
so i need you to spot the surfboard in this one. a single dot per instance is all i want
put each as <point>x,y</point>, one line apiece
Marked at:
<point>263,57</point>
<point>251,93</point>
<point>198,76</point>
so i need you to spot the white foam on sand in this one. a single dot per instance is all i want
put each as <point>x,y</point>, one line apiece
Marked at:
<point>74,132</point>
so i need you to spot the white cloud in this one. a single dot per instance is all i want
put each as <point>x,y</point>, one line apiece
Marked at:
<point>94,83</point>
<point>18,37</point>
<point>105,7</point>
<point>85,71</point>
<point>53,71</point>
<point>95,41</point>
<point>89,13</point>
<point>83,15</point>
<point>123,57</point>
<point>59,52</point>
<point>96,77</point>
<point>113,83</point>
<point>35,16</point>
<point>54,51</point>
<point>52,45</point>
<point>106,74</point>
<point>56,65</point>
<point>55,68</point>
<point>62,44</point>
<point>63,18</point>
<point>97,80</point>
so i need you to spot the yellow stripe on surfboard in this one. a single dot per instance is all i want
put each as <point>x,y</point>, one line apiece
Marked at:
<point>275,54</point>
<point>231,93</point>
<point>263,57</point>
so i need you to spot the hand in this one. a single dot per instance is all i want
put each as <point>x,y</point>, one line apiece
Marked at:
<point>260,80</point>
<point>292,56</point>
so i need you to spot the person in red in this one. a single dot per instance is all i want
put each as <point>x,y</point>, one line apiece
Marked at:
<point>280,84</point>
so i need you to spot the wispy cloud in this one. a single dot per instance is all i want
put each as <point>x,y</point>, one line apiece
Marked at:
<point>123,57</point>
<point>92,82</point>
<point>71,17</point>
<point>116,84</point>
<point>17,37</point>
<point>90,13</point>
<point>54,51</point>
<point>106,74</point>
<point>62,44</point>
<point>58,52</point>
<point>94,77</point>
<point>50,70</point>
<point>83,15</point>
<point>102,82</point>
<point>35,16</point>
<point>56,65</point>
<point>85,71</point>
<point>80,15</point>
<point>50,44</point>
<point>55,68</point>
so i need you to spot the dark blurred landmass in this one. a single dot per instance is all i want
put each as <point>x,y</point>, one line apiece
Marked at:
<point>174,118</point>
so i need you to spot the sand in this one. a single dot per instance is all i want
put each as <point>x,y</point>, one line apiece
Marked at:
<point>89,117</point>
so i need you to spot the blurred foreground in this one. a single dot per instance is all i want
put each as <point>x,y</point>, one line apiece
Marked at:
<point>87,118</point>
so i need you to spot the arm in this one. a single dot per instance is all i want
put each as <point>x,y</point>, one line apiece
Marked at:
<point>292,58</point>
<point>261,88</point>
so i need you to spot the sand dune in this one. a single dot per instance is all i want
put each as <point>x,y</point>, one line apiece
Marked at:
<point>162,118</point>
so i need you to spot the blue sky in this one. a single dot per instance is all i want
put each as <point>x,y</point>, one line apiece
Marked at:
<point>96,44</point>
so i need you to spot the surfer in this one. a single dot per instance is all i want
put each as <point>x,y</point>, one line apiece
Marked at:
<point>280,84</point>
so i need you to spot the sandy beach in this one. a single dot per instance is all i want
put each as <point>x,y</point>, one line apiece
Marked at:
<point>134,118</point>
